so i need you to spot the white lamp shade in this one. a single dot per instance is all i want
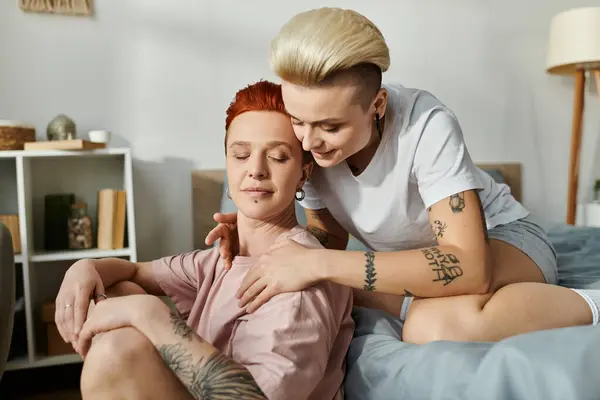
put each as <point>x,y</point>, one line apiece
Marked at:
<point>574,41</point>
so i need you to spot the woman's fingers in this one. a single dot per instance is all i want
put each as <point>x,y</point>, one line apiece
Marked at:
<point>251,277</point>
<point>226,218</point>
<point>60,320</point>
<point>80,308</point>
<point>261,299</point>
<point>253,291</point>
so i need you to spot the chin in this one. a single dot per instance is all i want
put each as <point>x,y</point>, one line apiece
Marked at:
<point>261,211</point>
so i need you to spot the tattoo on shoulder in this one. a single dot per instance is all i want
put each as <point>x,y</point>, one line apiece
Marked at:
<point>321,235</point>
<point>457,202</point>
<point>438,228</point>
<point>446,266</point>
<point>213,377</point>
<point>180,327</point>
<point>370,274</point>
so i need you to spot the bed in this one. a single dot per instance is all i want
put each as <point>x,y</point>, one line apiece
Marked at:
<point>554,364</point>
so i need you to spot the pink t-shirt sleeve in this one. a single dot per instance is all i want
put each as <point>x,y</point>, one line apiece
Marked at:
<point>180,276</point>
<point>286,343</point>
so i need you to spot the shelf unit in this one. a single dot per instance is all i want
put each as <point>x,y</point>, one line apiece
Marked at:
<point>25,178</point>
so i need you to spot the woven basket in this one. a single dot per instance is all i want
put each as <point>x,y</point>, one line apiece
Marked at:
<point>14,135</point>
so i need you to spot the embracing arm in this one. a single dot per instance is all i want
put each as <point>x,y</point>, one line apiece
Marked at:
<point>326,229</point>
<point>459,264</point>
<point>205,372</point>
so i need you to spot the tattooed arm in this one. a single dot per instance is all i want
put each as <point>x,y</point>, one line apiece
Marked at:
<point>326,229</point>
<point>205,372</point>
<point>460,264</point>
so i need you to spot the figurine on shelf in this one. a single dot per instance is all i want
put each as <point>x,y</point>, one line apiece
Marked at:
<point>61,128</point>
<point>80,228</point>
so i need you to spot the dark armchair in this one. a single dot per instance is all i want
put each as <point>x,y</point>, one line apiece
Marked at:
<point>7,294</point>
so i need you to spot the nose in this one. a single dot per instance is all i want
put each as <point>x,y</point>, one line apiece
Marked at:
<point>258,168</point>
<point>310,140</point>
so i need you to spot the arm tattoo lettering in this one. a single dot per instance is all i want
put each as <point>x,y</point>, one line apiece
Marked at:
<point>180,327</point>
<point>438,228</point>
<point>445,265</point>
<point>457,202</point>
<point>370,274</point>
<point>321,235</point>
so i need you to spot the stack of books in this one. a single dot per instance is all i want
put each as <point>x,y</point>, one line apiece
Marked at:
<point>112,207</point>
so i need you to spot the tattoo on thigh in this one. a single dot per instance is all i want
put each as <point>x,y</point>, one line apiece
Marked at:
<point>180,327</point>
<point>321,235</point>
<point>438,228</point>
<point>445,265</point>
<point>370,274</point>
<point>214,377</point>
<point>457,202</point>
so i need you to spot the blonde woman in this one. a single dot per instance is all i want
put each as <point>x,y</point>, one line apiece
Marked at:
<point>454,255</point>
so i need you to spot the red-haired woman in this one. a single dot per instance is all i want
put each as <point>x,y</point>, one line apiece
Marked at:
<point>294,348</point>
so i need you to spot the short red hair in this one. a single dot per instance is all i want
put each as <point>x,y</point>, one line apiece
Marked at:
<point>260,96</point>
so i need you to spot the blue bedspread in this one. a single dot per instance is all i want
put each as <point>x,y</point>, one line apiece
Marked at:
<point>547,365</point>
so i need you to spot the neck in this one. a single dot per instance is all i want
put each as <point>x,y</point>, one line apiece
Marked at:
<point>257,236</point>
<point>359,161</point>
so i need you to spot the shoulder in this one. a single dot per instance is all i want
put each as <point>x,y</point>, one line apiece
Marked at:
<point>194,258</point>
<point>416,108</point>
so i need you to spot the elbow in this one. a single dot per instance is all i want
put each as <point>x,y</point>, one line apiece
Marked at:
<point>482,282</point>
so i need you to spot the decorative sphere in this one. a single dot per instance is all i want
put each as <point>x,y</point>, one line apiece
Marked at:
<point>61,128</point>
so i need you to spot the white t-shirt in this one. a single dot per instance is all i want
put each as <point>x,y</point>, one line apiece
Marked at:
<point>422,159</point>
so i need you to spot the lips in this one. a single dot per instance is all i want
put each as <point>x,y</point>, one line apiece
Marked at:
<point>257,192</point>
<point>326,154</point>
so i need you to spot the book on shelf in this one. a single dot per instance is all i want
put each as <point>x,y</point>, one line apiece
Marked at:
<point>112,215</point>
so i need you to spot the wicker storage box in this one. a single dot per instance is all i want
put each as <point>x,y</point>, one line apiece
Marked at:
<point>14,135</point>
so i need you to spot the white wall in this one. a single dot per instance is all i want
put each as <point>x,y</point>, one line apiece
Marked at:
<point>159,74</point>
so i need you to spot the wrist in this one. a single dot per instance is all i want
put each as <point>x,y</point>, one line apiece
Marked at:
<point>152,314</point>
<point>322,268</point>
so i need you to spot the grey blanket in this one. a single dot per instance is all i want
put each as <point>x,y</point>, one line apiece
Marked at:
<point>546,365</point>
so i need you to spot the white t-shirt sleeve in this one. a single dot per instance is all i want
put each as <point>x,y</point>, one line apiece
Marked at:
<point>442,165</point>
<point>312,201</point>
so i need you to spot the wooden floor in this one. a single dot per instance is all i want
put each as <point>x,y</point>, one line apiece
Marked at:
<point>49,383</point>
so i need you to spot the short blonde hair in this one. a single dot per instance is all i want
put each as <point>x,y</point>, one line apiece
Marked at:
<point>316,44</point>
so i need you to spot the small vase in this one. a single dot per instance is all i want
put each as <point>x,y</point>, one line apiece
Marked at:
<point>80,228</point>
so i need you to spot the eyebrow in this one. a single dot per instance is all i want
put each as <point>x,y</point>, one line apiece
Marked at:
<point>272,144</point>
<point>319,122</point>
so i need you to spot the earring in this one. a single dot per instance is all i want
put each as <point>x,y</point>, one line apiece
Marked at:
<point>378,124</point>
<point>302,194</point>
<point>229,194</point>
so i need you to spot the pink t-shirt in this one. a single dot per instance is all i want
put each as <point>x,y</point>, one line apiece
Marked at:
<point>294,345</point>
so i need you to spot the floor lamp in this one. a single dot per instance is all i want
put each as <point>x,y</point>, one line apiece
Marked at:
<point>574,49</point>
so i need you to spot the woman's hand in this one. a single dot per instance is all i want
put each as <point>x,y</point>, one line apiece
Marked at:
<point>226,231</point>
<point>80,284</point>
<point>115,313</point>
<point>286,267</point>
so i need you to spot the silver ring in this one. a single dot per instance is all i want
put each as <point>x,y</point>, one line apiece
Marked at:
<point>68,305</point>
<point>96,297</point>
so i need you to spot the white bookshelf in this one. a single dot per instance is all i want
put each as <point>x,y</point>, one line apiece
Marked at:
<point>25,178</point>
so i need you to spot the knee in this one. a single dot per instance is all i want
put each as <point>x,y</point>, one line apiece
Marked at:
<point>109,359</point>
<point>124,288</point>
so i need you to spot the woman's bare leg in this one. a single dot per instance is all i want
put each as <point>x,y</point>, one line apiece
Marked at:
<point>123,364</point>
<point>511,309</point>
